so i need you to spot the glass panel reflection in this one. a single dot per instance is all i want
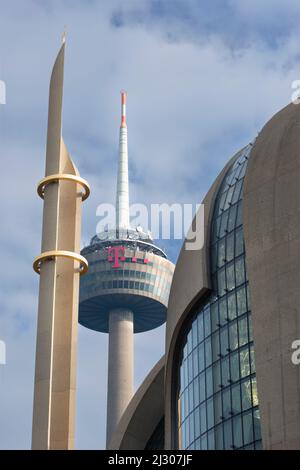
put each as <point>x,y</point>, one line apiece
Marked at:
<point>217,388</point>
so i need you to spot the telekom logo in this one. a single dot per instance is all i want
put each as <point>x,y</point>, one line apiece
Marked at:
<point>116,254</point>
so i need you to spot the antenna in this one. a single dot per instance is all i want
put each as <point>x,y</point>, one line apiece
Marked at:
<point>122,203</point>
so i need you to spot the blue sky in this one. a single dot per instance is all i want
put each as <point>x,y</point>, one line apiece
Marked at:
<point>202,79</point>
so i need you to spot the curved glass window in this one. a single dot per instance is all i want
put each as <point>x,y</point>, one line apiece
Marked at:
<point>217,394</point>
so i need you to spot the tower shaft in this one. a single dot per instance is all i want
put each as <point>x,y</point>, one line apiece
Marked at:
<point>120,367</point>
<point>122,202</point>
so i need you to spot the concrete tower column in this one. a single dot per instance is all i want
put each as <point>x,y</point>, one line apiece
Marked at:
<point>120,366</point>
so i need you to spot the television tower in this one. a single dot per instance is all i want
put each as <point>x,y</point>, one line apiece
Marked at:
<point>126,290</point>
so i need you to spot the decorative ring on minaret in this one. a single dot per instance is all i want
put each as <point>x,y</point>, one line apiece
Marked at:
<point>51,255</point>
<point>66,177</point>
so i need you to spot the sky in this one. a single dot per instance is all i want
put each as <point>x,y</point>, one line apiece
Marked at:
<point>202,80</point>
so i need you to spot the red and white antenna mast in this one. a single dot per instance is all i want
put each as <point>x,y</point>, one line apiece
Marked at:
<point>122,203</point>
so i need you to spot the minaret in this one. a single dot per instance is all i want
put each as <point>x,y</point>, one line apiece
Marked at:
<point>59,266</point>
<point>122,202</point>
<point>120,350</point>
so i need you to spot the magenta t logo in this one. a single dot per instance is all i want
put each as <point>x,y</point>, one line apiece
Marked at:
<point>114,256</point>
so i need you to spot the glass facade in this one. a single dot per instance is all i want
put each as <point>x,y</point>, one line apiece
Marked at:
<point>217,393</point>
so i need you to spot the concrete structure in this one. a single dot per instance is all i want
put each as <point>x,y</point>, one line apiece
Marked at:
<point>272,237</point>
<point>130,434</point>
<point>234,312</point>
<point>59,266</point>
<point>126,290</point>
<point>120,365</point>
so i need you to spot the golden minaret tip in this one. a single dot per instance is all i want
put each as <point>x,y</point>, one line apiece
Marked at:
<point>64,35</point>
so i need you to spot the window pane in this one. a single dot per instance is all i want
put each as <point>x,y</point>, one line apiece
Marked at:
<point>195,362</point>
<point>231,302</point>
<point>225,371</point>
<point>216,376</point>
<point>223,311</point>
<point>227,435</point>
<point>257,428</point>
<point>214,316</point>
<point>254,391</point>
<point>252,361</point>
<point>224,221</point>
<point>192,428</point>
<point>208,352</point>
<point>228,197</point>
<point>197,423</point>
<point>195,332</point>
<point>236,398</point>
<point>207,326</point>
<point>248,427</point>
<point>196,392</point>
<point>250,329</point>
<point>230,276</point>
<point>243,331</point>
<point>186,378</point>
<point>234,366</point>
<point>244,362</point>
<point>221,282</point>
<point>210,413</point>
<point>240,271</point>
<point>239,242</point>
<point>201,357</point>
<point>237,191</point>
<point>215,346</point>
<point>209,382</point>
<point>239,217</point>
<point>231,219</point>
<point>200,328</point>
<point>221,201</point>
<point>224,341</point>
<point>241,301</point>
<point>221,252</point>
<point>203,418</point>
<point>230,247</point>
<point>218,408</point>
<point>211,440</point>
<point>190,368</point>
<point>191,397</point>
<point>246,394</point>
<point>219,437</point>
<point>202,394</point>
<point>216,228</point>
<point>204,443</point>
<point>226,403</point>
<point>189,342</point>
<point>237,432</point>
<point>233,336</point>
